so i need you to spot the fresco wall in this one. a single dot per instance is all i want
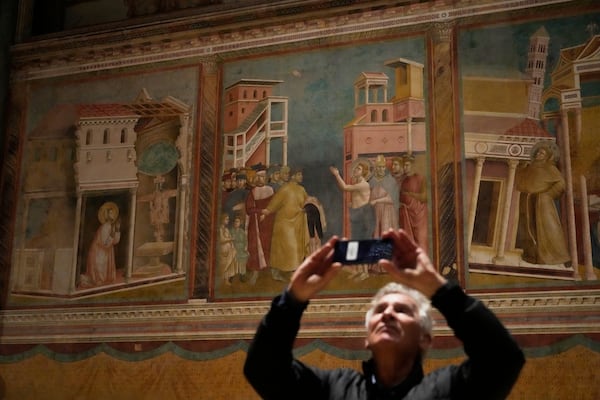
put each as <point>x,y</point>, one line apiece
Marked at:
<point>537,200</point>
<point>159,191</point>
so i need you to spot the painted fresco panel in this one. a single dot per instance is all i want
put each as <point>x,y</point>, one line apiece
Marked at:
<point>101,206</point>
<point>303,117</point>
<point>530,113</point>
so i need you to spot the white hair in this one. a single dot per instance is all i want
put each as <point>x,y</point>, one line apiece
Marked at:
<point>423,304</point>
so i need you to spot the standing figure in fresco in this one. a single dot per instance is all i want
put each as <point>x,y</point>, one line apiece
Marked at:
<point>540,233</point>
<point>237,197</point>
<point>412,212</point>
<point>289,242</point>
<point>159,207</point>
<point>274,173</point>
<point>284,174</point>
<point>227,255</point>
<point>384,198</point>
<point>361,211</point>
<point>260,226</point>
<point>101,268</point>
<point>226,187</point>
<point>240,241</point>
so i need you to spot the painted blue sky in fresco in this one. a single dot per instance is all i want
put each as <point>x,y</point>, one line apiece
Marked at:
<point>320,87</point>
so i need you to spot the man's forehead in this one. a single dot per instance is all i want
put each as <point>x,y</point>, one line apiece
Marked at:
<point>397,298</point>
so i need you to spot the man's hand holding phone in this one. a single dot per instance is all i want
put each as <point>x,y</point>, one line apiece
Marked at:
<point>410,265</point>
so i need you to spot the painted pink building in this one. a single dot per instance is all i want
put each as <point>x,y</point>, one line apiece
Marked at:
<point>385,126</point>
<point>253,119</point>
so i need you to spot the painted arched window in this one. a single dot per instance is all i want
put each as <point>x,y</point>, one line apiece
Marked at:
<point>373,115</point>
<point>106,139</point>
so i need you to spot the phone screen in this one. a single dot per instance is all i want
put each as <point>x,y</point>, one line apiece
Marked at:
<point>368,251</point>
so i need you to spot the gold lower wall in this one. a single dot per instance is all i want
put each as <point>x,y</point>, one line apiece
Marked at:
<point>571,374</point>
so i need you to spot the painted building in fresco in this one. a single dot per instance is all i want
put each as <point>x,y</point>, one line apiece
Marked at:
<point>506,120</point>
<point>103,196</point>
<point>383,125</point>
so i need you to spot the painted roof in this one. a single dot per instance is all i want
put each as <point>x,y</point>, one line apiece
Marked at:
<point>104,110</point>
<point>504,125</point>
<point>528,127</point>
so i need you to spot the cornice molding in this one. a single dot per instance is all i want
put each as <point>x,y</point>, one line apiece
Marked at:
<point>189,38</point>
<point>554,312</point>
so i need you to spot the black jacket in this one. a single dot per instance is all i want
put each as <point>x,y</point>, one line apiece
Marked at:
<point>492,367</point>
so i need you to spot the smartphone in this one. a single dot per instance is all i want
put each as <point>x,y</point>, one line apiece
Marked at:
<point>367,251</point>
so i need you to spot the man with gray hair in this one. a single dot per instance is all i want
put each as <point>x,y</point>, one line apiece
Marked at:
<point>399,333</point>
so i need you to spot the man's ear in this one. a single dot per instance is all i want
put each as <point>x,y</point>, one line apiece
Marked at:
<point>425,342</point>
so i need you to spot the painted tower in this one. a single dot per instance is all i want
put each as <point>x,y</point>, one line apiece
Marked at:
<point>536,68</point>
<point>253,119</point>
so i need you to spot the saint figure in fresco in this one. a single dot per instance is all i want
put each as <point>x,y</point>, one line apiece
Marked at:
<point>260,226</point>
<point>361,211</point>
<point>540,233</point>
<point>240,241</point>
<point>159,207</point>
<point>384,198</point>
<point>412,213</point>
<point>289,243</point>
<point>101,267</point>
<point>228,266</point>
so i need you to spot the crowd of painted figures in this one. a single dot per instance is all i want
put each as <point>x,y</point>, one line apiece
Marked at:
<point>269,223</point>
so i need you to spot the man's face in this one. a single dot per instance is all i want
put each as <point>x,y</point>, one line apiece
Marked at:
<point>380,170</point>
<point>358,171</point>
<point>395,324</point>
<point>396,167</point>
<point>541,154</point>
<point>276,177</point>
<point>407,167</point>
<point>298,177</point>
<point>260,179</point>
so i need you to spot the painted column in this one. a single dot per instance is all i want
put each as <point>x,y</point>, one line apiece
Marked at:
<point>409,135</point>
<point>72,284</point>
<point>586,236</point>
<point>448,250</point>
<point>206,196</point>
<point>474,198</point>
<point>510,184</point>
<point>569,189</point>
<point>183,186</point>
<point>268,135</point>
<point>285,150</point>
<point>131,233</point>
